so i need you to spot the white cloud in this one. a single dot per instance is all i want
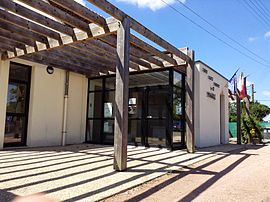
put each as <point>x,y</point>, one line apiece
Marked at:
<point>81,2</point>
<point>266,93</point>
<point>267,35</point>
<point>152,4</point>
<point>251,39</point>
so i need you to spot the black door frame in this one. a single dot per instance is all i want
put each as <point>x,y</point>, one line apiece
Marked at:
<point>170,121</point>
<point>26,111</point>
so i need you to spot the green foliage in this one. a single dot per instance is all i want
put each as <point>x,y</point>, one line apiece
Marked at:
<point>232,111</point>
<point>257,110</point>
<point>248,124</point>
<point>260,111</point>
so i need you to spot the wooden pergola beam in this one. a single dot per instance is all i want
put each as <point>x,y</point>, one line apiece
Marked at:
<point>59,14</point>
<point>72,59</point>
<point>17,37</point>
<point>16,20</point>
<point>14,44</point>
<point>27,13</point>
<point>47,60</point>
<point>111,40</point>
<point>90,55</point>
<point>24,32</point>
<point>65,53</point>
<point>82,11</point>
<point>108,48</point>
<point>143,45</point>
<point>7,47</point>
<point>120,15</point>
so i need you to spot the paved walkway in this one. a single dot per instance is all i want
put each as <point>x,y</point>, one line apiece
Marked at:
<point>85,172</point>
<point>242,175</point>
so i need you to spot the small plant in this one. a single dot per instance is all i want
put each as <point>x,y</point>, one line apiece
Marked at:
<point>251,129</point>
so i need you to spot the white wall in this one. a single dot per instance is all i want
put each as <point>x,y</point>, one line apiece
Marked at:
<point>211,126</point>
<point>77,109</point>
<point>46,107</point>
<point>4,73</point>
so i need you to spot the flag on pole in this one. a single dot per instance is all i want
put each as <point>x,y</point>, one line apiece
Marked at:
<point>241,86</point>
<point>233,85</point>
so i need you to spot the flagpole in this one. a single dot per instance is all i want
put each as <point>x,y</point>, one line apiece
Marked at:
<point>238,107</point>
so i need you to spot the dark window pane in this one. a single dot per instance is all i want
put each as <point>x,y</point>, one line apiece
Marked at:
<point>157,133</point>
<point>16,98</point>
<point>149,79</point>
<point>135,105</point>
<point>178,107</point>
<point>95,105</point>
<point>14,129</point>
<point>134,132</point>
<point>108,131</point>
<point>110,83</point>
<point>109,104</point>
<point>157,104</point>
<point>19,72</point>
<point>93,131</point>
<point>178,130</point>
<point>177,79</point>
<point>95,85</point>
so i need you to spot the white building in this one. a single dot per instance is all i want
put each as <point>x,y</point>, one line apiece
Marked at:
<point>41,123</point>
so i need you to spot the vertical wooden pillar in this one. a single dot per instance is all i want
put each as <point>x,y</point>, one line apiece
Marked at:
<point>238,112</point>
<point>190,104</point>
<point>121,97</point>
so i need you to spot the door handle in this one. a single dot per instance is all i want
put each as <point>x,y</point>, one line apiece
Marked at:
<point>149,117</point>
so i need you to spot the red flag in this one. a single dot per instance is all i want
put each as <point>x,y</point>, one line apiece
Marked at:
<point>241,86</point>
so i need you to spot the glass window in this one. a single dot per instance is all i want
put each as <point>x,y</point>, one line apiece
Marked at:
<point>178,130</point>
<point>93,131</point>
<point>108,131</point>
<point>157,104</point>
<point>95,105</point>
<point>19,72</point>
<point>110,83</point>
<point>156,133</point>
<point>95,85</point>
<point>14,129</point>
<point>134,132</point>
<point>177,79</point>
<point>135,104</point>
<point>16,98</point>
<point>109,104</point>
<point>149,79</point>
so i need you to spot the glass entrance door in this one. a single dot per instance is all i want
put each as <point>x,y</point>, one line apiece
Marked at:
<point>148,112</point>
<point>17,105</point>
<point>156,118</point>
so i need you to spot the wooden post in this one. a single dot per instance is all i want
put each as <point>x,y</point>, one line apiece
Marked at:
<point>238,112</point>
<point>121,96</point>
<point>190,104</point>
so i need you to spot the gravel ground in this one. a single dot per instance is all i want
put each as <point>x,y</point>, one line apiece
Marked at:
<point>241,175</point>
<point>85,172</point>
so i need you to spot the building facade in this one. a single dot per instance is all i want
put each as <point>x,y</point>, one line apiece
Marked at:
<point>32,107</point>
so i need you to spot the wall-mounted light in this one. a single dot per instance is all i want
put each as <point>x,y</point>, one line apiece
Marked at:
<point>50,69</point>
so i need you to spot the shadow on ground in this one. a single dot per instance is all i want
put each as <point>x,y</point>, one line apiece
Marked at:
<point>85,172</point>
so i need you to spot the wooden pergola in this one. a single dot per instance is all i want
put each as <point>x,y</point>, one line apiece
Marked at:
<point>66,35</point>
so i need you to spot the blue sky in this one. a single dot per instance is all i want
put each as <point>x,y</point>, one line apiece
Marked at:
<point>230,16</point>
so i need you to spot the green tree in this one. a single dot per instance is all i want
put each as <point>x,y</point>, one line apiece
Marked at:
<point>260,111</point>
<point>232,111</point>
